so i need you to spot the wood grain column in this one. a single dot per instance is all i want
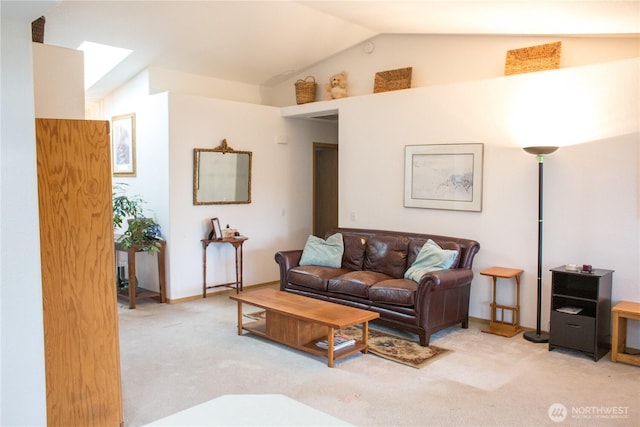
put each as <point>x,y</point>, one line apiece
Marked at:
<point>82,354</point>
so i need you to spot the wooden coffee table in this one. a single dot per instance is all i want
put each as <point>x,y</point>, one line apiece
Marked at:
<point>300,322</point>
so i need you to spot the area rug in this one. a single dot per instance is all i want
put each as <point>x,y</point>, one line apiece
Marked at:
<point>388,346</point>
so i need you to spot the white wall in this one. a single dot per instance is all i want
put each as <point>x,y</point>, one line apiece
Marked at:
<point>152,160</point>
<point>163,80</point>
<point>22,392</point>
<point>591,193</point>
<point>58,82</point>
<point>279,215</point>
<point>441,59</point>
<point>168,127</point>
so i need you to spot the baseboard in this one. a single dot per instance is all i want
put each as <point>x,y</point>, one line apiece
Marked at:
<point>277,282</point>
<point>222,292</point>
<point>486,322</point>
<point>184,299</point>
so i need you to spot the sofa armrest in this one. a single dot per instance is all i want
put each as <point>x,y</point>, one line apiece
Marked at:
<point>287,260</point>
<point>444,279</point>
<point>442,298</point>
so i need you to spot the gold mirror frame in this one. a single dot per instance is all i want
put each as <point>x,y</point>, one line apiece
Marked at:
<point>224,186</point>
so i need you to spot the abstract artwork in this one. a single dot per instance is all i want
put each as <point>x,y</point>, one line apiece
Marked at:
<point>443,176</point>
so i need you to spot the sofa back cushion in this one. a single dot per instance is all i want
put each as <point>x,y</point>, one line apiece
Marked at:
<point>468,248</point>
<point>386,254</point>
<point>354,247</point>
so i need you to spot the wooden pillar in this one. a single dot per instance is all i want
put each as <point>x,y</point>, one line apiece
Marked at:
<point>82,353</point>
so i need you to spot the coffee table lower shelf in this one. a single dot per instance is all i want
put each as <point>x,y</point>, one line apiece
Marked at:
<point>300,322</point>
<point>259,328</point>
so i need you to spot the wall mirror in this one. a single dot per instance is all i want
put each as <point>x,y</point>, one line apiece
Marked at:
<point>221,175</point>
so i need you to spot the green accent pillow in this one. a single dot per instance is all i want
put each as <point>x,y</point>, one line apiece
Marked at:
<point>326,253</point>
<point>430,258</point>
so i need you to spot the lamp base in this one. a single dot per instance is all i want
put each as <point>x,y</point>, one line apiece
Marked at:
<point>532,336</point>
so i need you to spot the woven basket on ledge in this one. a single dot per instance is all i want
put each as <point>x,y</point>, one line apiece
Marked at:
<point>386,81</point>
<point>37,30</point>
<point>306,90</point>
<point>534,58</point>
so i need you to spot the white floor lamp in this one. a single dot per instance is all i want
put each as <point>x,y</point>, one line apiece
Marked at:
<point>538,336</point>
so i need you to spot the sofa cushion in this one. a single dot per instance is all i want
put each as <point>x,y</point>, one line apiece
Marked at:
<point>395,292</point>
<point>327,253</point>
<point>355,283</point>
<point>313,276</point>
<point>354,247</point>
<point>430,258</point>
<point>416,244</point>
<point>387,254</point>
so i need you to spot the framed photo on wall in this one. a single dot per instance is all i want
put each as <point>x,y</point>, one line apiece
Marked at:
<point>123,145</point>
<point>443,176</point>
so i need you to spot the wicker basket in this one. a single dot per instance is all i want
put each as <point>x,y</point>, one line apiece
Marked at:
<point>37,30</point>
<point>306,90</point>
<point>386,81</point>
<point>534,58</point>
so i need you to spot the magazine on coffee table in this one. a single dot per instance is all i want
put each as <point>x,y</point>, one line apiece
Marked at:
<point>338,342</point>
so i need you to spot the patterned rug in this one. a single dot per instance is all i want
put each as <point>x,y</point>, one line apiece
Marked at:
<point>388,346</point>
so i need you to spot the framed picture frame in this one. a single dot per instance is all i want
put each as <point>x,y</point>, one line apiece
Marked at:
<point>216,231</point>
<point>123,145</point>
<point>444,176</point>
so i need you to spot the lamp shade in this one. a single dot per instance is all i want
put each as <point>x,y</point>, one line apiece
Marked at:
<point>540,150</point>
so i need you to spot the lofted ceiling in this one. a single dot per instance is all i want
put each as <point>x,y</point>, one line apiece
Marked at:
<point>265,42</point>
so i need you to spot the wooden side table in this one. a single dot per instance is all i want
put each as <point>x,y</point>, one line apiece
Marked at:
<point>502,327</point>
<point>133,293</point>
<point>237,243</point>
<point>621,312</point>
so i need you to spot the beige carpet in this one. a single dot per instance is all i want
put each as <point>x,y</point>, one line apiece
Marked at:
<point>178,356</point>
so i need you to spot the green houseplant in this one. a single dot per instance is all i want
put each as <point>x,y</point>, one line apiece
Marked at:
<point>141,231</point>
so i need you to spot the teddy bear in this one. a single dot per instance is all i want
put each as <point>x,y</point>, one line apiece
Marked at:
<point>337,86</point>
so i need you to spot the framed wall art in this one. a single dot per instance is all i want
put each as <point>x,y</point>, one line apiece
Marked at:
<point>444,176</point>
<point>123,145</point>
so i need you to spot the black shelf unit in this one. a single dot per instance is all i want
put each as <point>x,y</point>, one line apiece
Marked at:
<point>589,330</point>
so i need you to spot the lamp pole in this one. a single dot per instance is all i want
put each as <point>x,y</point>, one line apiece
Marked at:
<point>538,336</point>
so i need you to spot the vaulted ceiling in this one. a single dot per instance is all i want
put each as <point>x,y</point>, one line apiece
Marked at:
<point>264,42</point>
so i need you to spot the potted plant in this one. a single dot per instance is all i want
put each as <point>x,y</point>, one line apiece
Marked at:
<point>141,231</point>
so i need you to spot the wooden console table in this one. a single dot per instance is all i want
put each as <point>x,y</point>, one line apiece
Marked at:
<point>236,242</point>
<point>134,293</point>
<point>502,327</point>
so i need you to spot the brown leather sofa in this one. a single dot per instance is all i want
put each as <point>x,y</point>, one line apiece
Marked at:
<point>371,277</point>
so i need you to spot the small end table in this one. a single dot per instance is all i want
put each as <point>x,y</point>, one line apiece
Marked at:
<point>621,312</point>
<point>502,327</point>
<point>133,293</point>
<point>236,242</point>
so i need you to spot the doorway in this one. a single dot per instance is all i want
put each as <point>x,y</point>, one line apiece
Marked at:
<point>325,188</point>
